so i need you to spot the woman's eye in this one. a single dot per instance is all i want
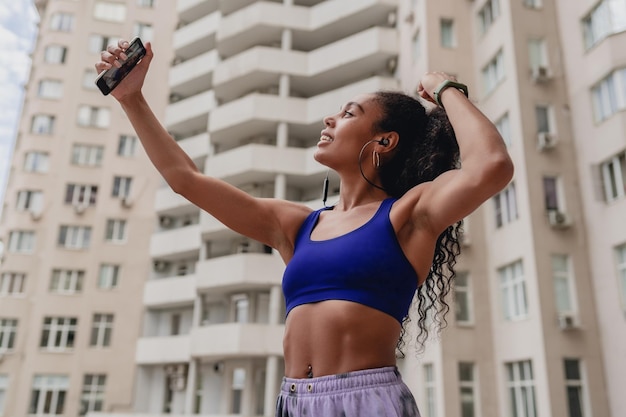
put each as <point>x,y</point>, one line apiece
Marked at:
<point>347,113</point>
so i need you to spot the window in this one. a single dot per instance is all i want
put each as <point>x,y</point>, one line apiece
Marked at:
<point>493,73</point>
<point>12,283</point>
<point>87,155</point>
<point>533,4</point>
<point>55,54</point>
<point>90,116</point>
<point>92,397</point>
<point>241,305</point>
<point>99,43</point>
<point>144,31</point>
<point>121,186</point>
<point>467,388</point>
<point>538,55</point>
<point>239,384</point>
<point>448,38</point>
<point>513,291</point>
<point>614,177</point>
<point>101,330</point>
<point>543,117</point>
<point>146,3</point>
<point>29,200</point>
<point>48,395</point>
<point>521,389</point>
<point>4,387</point>
<point>67,281</point>
<point>574,388</point>
<point>620,255</point>
<point>89,77</point>
<point>52,89</point>
<point>430,390</point>
<point>108,276</point>
<point>8,330</point>
<point>77,194</point>
<point>607,18</point>
<point>505,204</point>
<point>59,333</point>
<point>36,161</point>
<point>503,125</point>
<point>609,95</point>
<point>63,22</point>
<point>116,231</point>
<point>111,12</point>
<point>21,241</point>
<point>127,145</point>
<point>552,194</point>
<point>417,47</point>
<point>42,124</point>
<point>463,298</point>
<point>488,14</point>
<point>563,281</point>
<point>175,320</point>
<point>74,237</point>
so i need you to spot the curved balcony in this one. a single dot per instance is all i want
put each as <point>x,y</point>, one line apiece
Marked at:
<point>170,292</point>
<point>331,66</point>
<point>197,37</point>
<point>263,23</point>
<point>178,243</point>
<point>168,202</point>
<point>190,115</point>
<point>193,75</point>
<point>162,350</point>
<point>232,340</point>
<point>259,113</point>
<point>242,271</point>
<point>189,10</point>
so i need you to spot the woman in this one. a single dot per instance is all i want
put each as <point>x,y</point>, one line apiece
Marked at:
<point>352,270</point>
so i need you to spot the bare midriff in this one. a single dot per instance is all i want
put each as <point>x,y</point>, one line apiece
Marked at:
<point>332,337</point>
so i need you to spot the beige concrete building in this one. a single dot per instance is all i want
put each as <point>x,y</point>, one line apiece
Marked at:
<point>537,326</point>
<point>77,218</point>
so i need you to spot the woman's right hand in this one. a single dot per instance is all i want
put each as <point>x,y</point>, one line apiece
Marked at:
<point>133,82</point>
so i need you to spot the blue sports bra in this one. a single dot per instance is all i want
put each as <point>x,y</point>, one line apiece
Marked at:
<point>366,266</point>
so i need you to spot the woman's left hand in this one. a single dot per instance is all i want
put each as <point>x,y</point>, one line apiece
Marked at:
<point>429,82</point>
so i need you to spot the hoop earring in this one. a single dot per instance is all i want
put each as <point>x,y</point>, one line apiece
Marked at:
<point>376,159</point>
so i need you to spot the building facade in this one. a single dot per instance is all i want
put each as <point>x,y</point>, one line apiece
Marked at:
<point>77,218</point>
<point>537,323</point>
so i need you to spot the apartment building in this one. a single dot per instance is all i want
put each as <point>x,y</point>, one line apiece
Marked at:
<point>77,218</point>
<point>537,324</point>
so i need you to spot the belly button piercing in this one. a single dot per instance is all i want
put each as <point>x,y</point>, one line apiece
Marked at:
<point>310,373</point>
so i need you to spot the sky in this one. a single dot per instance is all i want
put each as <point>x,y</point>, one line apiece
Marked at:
<point>18,25</point>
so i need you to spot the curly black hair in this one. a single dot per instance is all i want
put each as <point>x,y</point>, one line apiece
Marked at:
<point>426,148</point>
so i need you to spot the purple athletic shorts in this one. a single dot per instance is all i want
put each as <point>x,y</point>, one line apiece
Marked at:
<point>372,392</point>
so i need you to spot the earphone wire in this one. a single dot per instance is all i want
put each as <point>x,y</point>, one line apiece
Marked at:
<point>325,190</point>
<point>361,167</point>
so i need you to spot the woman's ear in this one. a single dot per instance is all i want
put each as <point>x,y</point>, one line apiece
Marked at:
<point>388,142</point>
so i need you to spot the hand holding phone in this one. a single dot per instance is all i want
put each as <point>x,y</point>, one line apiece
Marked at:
<point>110,78</point>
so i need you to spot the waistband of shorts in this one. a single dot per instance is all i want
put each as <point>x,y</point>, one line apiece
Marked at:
<point>341,382</point>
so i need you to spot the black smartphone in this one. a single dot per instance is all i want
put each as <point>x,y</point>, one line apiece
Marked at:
<point>109,79</point>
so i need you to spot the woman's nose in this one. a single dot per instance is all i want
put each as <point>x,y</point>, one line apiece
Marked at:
<point>328,121</point>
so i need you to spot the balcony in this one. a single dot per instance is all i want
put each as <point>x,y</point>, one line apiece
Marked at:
<point>168,202</point>
<point>162,350</point>
<point>170,292</point>
<point>239,272</point>
<point>263,22</point>
<point>371,51</point>
<point>190,115</point>
<point>189,10</point>
<point>193,75</point>
<point>178,243</point>
<point>232,340</point>
<point>197,37</point>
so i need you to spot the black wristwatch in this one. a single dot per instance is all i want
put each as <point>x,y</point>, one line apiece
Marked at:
<point>449,83</point>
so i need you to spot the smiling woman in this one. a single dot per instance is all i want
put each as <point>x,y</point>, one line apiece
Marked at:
<point>409,174</point>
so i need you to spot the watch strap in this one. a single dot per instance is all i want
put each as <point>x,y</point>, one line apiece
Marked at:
<point>446,84</point>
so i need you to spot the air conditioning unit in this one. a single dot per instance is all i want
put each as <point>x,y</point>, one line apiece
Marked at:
<point>161,266</point>
<point>567,321</point>
<point>392,64</point>
<point>175,97</point>
<point>558,219</point>
<point>35,214</point>
<point>545,140</point>
<point>79,208</point>
<point>177,376</point>
<point>127,201</point>
<point>540,74</point>
<point>243,247</point>
<point>392,19</point>
<point>465,239</point>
